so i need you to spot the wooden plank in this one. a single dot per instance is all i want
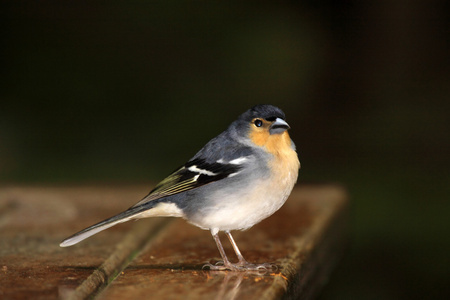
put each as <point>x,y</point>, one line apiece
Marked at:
<point>305,238</point>
<point>33,220</point>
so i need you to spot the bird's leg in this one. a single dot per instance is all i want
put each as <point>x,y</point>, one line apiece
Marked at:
<point>242,261</point>
<point>221,250</point>
<point>226,263</point>
<point>243,264</point>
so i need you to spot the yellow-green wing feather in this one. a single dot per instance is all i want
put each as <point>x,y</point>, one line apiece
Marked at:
<point>192,175</point>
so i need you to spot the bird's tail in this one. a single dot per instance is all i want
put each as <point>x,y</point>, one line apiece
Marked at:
<point>105,224</point>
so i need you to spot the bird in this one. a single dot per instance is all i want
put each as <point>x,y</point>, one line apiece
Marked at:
<point>239,178</point>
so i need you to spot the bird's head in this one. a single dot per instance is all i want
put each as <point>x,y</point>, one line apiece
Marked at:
<point>263,125</point>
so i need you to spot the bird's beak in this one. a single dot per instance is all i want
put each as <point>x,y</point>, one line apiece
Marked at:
<point>279,126</point>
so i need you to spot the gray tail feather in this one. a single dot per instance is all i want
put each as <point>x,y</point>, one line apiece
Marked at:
<point>105,224</point>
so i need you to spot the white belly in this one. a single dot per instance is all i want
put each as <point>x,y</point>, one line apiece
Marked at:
<point>241,206</point>
<point>241,210</point>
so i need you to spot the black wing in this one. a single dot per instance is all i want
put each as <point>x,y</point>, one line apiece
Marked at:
<point>193,174</point>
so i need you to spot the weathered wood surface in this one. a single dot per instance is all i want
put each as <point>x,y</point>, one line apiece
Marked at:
<point>161,258</point>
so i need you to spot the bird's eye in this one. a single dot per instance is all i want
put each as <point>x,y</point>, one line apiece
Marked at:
<point>258,123</point>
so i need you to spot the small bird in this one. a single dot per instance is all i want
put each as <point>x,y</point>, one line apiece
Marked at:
<point>238,179</point>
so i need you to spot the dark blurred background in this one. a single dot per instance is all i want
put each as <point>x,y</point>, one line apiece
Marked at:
<point>126,91</point>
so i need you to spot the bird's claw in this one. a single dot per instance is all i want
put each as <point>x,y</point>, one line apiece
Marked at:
<point>221,266</point>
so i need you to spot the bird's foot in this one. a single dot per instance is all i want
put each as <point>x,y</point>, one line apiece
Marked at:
<point>241,266</point>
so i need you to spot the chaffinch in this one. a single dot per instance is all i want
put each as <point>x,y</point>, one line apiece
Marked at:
<point>237,179</point>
